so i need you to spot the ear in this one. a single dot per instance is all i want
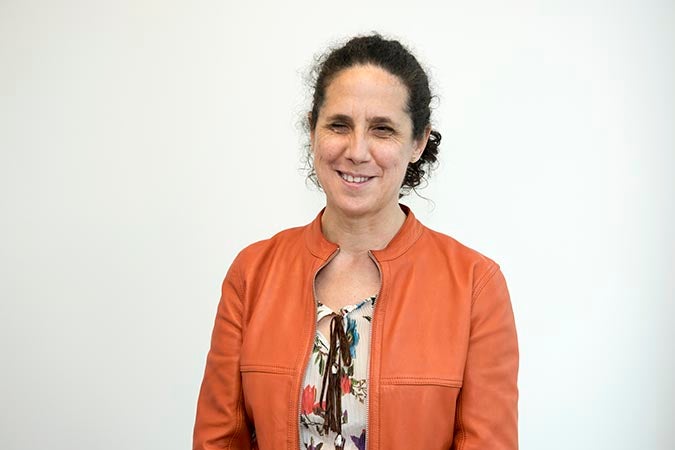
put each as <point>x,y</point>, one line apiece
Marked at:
<point>421,144</point>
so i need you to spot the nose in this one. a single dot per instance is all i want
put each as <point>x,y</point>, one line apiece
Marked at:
<point>358,150</point>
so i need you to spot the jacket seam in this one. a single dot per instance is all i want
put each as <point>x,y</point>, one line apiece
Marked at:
<point>462,432</point>
<point>238,277</point>
<point>407,248</point>
<point>483,281</point>
<point>239,289</point>
<point>478,289</point>
<point>238,421</point>
<point>316,254</point>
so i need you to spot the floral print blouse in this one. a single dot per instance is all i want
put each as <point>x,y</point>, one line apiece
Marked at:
<point>356,320</point>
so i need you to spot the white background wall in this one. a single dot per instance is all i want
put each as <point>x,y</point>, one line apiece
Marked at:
<point>143,143</point>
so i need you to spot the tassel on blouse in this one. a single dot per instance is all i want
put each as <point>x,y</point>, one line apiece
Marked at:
<point>338,355</point>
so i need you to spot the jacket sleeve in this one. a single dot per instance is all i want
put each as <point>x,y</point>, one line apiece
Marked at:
<point>221,419</point>
<point>487,409</point>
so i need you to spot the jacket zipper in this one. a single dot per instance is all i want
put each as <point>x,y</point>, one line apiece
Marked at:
<point>370,341</point>
<point>311,339</point>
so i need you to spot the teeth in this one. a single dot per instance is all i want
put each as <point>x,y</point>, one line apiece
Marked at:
<point>352,179</point>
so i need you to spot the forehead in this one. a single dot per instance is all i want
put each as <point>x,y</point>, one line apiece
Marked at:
<point>366,88</point>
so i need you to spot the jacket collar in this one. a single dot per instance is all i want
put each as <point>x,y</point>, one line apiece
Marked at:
<point>406,236</point>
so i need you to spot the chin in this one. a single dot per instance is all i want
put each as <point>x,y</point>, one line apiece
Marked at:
<point>351,208</point>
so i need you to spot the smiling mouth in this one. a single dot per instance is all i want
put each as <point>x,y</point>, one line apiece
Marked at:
<point>353,179</point>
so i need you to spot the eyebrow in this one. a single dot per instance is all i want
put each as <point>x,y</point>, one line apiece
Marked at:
<point>348,119</point>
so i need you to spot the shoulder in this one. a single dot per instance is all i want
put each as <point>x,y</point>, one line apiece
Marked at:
<point>283,244</point>
<point>252,265</point>
<point>457,256</point>
<point>259,251</point>
<point>451,246</point>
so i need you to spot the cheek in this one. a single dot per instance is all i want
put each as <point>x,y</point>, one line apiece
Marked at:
<point>326,150</point>
<point>321,159</point>
<point>393,161</point>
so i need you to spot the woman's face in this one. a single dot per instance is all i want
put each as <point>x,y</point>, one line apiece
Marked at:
<point>362,141</point>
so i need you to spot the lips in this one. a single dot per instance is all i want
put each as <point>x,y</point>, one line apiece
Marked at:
<point>354,178</point>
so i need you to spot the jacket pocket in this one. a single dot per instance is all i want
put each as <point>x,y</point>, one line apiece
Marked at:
<point>265,368</point>
<point>420,381</point>
<point>267,390</point>
<point>417,412</point>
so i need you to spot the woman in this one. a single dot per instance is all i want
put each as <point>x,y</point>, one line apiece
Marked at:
<point>363,329</point>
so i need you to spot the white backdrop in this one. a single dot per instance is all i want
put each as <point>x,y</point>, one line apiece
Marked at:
<point>143,143</point>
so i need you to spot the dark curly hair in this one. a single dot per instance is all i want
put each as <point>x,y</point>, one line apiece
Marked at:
<point>393,57</point>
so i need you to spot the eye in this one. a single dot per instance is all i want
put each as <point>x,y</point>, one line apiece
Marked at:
<point>384,130</point>
<point>338,127</point>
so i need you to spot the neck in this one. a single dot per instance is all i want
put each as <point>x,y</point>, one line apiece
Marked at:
<point>358,235</point>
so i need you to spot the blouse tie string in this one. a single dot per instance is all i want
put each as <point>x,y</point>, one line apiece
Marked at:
<point>338,355</point>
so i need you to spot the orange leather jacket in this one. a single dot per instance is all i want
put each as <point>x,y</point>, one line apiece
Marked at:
<point>443,358</point>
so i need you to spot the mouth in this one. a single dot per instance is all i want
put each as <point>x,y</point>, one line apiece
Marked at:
<point>354,179</point>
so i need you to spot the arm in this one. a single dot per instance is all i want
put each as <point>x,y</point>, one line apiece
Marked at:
<point>487,409</point>
<point>221,419</point>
